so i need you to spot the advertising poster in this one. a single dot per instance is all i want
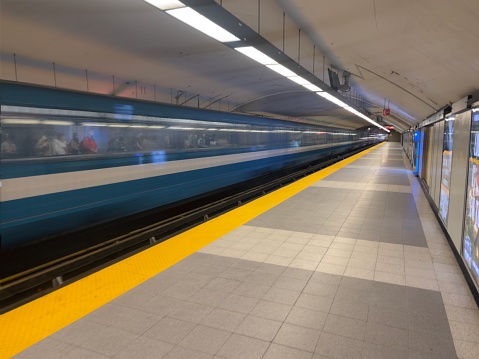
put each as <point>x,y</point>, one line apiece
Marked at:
<point>446,168</point>
<point>471,228</point>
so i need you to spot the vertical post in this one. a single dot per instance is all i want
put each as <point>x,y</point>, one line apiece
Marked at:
<point>136,88</point>
<point>284,20</point>
<point>54,75</point>
<point>113,81</point>
<point>314,55</point>
<point>299,45</point>
<point>323,68</point>
<point>259,15</point>
<point>154,92</point>
<point>198,100</point>
<point>86,76</point>
<point>15,66</point>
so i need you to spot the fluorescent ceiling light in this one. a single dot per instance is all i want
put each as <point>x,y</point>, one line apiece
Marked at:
<point>299,80</point>
<point>14,121</point>
<point>333,99</point>
<point>364,117</point>
<point>256,55</point>
<point>95,124</point>
<point>313,88</point>
<point>118,125</point>
<point>166,4</point>
<point>57,123</point>
<point>203,24</point>
<point>280,69</point>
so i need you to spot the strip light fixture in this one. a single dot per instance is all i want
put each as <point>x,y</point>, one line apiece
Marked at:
<point>194,19</point>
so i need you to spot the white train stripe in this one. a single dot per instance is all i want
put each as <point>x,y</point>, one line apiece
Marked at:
<point>25,187</point>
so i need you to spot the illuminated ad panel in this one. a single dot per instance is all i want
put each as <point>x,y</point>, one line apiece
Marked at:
<point>471,228</point>
<point>446,168</point>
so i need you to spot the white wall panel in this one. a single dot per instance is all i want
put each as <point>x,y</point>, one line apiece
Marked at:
<point>438,145</point>
<point>457,196</point>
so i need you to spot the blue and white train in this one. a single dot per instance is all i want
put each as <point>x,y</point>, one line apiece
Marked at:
<point>146,155</point>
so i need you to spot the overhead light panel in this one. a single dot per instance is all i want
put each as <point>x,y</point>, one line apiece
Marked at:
<point>280,69</point>
<point>20,121</point>
<point>299,80</point>
<point>333,99</point>
<point>203,24</point>
<point>364,117</point>
<point>256,55</point>
<point>312,87</point>
<point>166,4</point>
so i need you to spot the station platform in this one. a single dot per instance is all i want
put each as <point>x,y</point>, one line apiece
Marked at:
<point>349,262</point>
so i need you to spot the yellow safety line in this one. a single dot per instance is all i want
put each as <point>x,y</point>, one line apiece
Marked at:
<point>30,323</point>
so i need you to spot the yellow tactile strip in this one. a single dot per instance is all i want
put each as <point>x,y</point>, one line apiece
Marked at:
<point>30,323</point>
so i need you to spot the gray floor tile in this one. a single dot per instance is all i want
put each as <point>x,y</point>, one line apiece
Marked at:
<point>271,310</point>
<point>109,341</point>
<point>144,348</point>
<point>314,302</point>
<point>297,337</point>
<point>335,346</point>
<point>179,352</point>
<point>375,351</point>
<point>251,290</point>
<point>79,332</point>
<point>48,348</point>
<point>196,279</point>
<point>260,328</point>
<point>321,290</point>
<point>223,319</point>
<point>326,278</point>
<point>282,296</point>
<point>437,324</point>
<point>386,336</point>
<point>208,297</point>
<point>389,317</point>
<point>81,353</point>
<point>159,305</point>
<point>237,303</point>
<point>205,339</point>
<point>209,269</point>
<point>432,345</point>
<point>241,347</point>
<point>270,269</point>
<point>297,273</point>
<point>223,284</point>
<point>190,312</point>
<point>346,293</point>
<point>276,351</point>
<point>235,273</point>
<point>265,279</point>
<point>290,283</point>
<point>170,330</point>
<point>350,308</point>
<point>346,327</point>
<point>306,318</point>
<point>124,318</point>
<point>180,291</point>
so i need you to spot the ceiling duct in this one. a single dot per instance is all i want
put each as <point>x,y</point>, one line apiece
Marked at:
<point>334,81</point>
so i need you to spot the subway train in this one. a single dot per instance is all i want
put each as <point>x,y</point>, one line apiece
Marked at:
<point>71,159</point>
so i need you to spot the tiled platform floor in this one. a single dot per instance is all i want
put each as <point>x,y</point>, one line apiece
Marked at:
<point>355,266</point>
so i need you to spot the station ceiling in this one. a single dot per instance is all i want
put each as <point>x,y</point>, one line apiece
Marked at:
<point>413,57</point>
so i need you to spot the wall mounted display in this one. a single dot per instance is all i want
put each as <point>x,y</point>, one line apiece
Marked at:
<point>446,168</point>
<point>471,228</point>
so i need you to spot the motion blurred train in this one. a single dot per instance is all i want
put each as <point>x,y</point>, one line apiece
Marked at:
<point>145,155</point>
